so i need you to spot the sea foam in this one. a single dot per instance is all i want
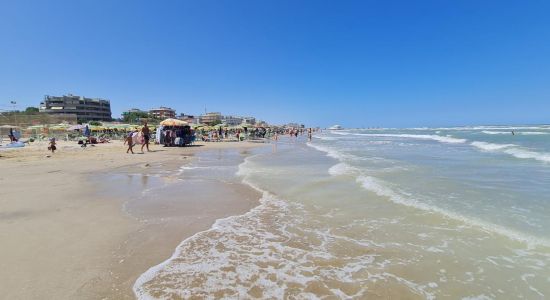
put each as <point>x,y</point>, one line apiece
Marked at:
<point>382,189</point>
<point>518,132</point>
<point>434,137</point>
<point>513,150</point>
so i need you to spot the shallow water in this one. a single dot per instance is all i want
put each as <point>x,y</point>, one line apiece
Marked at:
<point>415,213</point>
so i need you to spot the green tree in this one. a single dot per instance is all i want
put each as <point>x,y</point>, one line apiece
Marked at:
<point>31,110</point>
<point>95,123</point>
<point>134,117</point>
<point>215,122</point>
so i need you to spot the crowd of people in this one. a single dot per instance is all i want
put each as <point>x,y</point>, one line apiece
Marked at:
<point>170,136</point>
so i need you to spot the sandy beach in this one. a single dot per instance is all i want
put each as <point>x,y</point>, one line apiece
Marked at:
<point>64,228</point>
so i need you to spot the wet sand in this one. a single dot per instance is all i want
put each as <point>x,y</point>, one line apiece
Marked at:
<point>71,230</point>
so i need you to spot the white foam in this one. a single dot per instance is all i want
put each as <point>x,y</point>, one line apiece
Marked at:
<point>533,133</point>
<point>496,132</point>
<point>513,150</point>
<point>378,187</point>
<point>439,138</point>
<point>381,189</point>
<point>329,151</point>
<point>527,154</point>
<point>490,146</point>
<point>508,128</point>
<point>325,138</point>
<point>515,132</point>
<point>477,297</point>
<point>342,169</point>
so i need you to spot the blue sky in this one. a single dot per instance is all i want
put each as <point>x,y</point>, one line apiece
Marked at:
<point>356,63</point>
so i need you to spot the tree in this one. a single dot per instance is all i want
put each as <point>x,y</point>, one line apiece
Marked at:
<point>95,123</point>
<point>31,110</point>
<point>215,122</point>
<point>134,117</point>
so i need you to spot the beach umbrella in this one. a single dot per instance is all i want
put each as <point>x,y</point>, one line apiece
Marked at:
<point>75,127</point>
<point>173,122</point>
<point>58,128</point>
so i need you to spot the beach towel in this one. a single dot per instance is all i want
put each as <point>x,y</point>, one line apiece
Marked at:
<point>137,138</point>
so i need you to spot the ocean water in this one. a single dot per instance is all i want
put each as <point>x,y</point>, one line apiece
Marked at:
<point>423,213</point>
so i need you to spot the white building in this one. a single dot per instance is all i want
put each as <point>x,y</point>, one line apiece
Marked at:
<point>232,120</point>
<point>248,121</point>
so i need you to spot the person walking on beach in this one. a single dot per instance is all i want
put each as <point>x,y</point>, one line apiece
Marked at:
<point>52,147</point>
<point>87,133</point>
<point>146,137</point>
<point>130,142</point>
<point>12,136</point>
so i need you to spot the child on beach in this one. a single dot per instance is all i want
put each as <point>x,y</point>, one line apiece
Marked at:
<point>130,142</point>
<point>52,147</point>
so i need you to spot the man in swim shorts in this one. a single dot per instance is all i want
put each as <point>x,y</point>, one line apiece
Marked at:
<point>146,136</point>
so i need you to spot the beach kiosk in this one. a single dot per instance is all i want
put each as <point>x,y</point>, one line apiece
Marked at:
<point>174,132</point>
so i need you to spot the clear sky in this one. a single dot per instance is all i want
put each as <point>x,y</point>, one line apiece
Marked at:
<point>355,63</point>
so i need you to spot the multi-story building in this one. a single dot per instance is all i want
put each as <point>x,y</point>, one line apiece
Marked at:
<point>294,125</point>
<point>262,123</point>
<point>85,109</point>
<point>163,113</point>
<point>248,120</point>
<point>188,118</point>
<point>231,120</point>
<point>211,118</point>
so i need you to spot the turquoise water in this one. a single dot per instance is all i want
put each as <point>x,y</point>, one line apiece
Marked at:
<point>459,213</point>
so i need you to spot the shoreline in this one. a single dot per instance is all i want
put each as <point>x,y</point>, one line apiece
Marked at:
<point>69,237</point>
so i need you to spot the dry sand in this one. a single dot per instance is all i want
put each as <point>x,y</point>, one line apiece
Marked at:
<point>64,234</point>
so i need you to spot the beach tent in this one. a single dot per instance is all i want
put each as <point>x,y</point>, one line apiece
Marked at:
<point>173,122</point>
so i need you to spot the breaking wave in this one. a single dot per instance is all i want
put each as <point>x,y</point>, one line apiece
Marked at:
<point>382,189</point>
<point>514,150</point>
<point>518,132</point>
<point>439,138</point>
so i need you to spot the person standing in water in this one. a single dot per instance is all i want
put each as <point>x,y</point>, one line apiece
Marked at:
<point>309,133</point>
<point>146,137</point>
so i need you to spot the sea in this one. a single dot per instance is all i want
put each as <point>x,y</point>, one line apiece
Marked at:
<point>417,213</point>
